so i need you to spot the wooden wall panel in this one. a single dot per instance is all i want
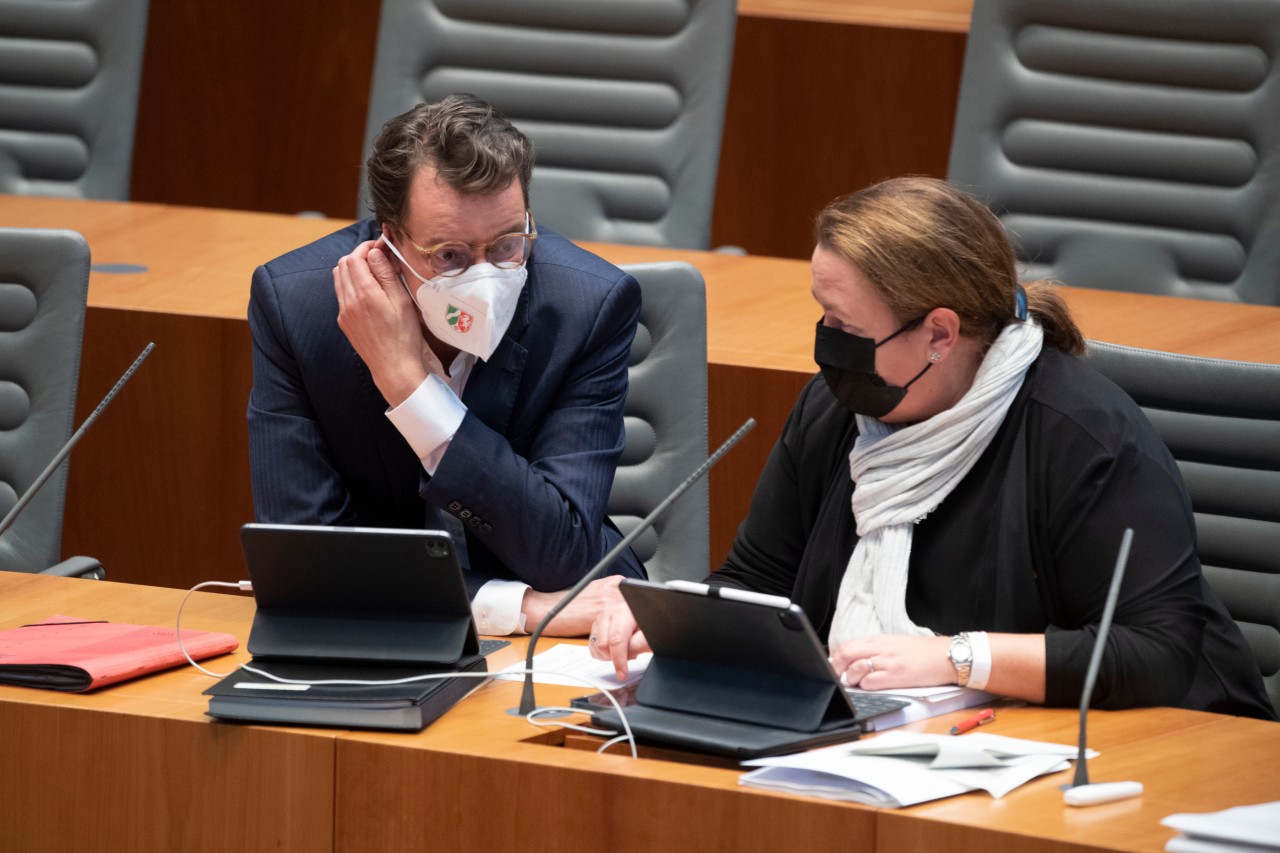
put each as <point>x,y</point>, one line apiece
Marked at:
<point>262,107</point>
<point>255,106</point>
<point>735,394</point>
<point>159,486</point>
<point>817,110</point>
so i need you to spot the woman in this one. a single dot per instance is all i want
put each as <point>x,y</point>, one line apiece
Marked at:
<point>948,497</point>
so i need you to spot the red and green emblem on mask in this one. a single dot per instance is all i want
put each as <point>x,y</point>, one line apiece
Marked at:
<point>458,319</point>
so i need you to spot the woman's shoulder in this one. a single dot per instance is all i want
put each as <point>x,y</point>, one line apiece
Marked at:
<point>1070,395</point>
<point>819,426</point>
<point>817,410</point>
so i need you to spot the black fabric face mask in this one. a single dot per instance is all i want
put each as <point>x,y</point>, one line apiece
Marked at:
<point>848,365</point>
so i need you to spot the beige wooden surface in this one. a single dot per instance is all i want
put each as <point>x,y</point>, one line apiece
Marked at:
<point>947,15</point>
<point>1185,761</point>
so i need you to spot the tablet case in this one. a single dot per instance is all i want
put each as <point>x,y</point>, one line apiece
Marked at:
<point>357,594</point>
<point>731,677</point>
<point>354,604</point>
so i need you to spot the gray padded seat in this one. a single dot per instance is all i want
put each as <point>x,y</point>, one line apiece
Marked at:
<point>69,77</point>
<point>1129,144</point>
<point>44,280</point>
<point>1221,420</point>
<point>624,101</point>
<point>666,424</point>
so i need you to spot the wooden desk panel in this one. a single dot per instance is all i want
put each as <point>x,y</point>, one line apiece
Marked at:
<point>138,766</point>
<point>160,485</point>
<point>493,802</point>
<point>504,783</point>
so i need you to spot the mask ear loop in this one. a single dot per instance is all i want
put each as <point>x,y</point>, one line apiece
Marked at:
<point>404,265</point>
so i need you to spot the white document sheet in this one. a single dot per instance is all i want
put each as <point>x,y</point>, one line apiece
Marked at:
<point>573,665</point>
<point>901,769</point>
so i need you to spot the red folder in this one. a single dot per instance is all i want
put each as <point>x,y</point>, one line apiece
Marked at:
<point>74,655</point>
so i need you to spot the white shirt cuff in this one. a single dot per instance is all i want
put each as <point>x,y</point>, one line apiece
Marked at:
<point>496,608</point>
<point>428,420</point>
<point>980,670</point>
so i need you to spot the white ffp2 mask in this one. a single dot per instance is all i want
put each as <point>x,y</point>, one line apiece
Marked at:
<point>472,310</point>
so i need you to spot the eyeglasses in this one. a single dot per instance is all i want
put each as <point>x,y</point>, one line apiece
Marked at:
<point>506,251</point>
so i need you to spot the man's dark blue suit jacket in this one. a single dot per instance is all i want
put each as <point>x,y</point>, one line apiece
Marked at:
<point>530,469</point>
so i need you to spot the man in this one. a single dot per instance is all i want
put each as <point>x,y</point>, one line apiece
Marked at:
<point>448,365</point>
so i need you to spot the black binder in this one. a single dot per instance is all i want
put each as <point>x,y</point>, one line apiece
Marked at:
<point>353,604</point>
<point>744,676</point>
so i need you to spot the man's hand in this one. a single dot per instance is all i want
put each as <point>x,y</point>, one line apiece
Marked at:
<point>381,321</point>
<point>615,635</point>
<point>575,620</point>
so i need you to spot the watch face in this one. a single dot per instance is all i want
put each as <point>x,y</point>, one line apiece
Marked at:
<point>961,652</point>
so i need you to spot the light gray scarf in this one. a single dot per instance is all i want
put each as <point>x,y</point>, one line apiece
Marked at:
<point>901,474</point>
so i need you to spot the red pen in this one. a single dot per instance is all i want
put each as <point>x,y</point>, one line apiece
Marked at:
<point>986,715</point>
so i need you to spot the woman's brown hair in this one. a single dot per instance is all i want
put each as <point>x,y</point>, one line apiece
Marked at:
<point>924,244</point>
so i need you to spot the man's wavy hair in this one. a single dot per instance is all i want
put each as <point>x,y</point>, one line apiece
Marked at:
<point>471,144</point>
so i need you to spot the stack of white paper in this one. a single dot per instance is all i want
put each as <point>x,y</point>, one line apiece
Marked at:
<point>574,666</point>
<point>1244,829</point>
<point>901,769</point>
<point>926,702</point>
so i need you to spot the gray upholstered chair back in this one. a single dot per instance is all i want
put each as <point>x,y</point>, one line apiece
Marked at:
<point>1221,420</point>
<point>44,280</point>
<point>666,423</point>
<point>624,101</point>
<point>69,77</point>
<point>1129,144</point>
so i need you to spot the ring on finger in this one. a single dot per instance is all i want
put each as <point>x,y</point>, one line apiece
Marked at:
<point>871,665</point>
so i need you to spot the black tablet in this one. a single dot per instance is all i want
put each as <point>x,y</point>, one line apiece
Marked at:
<point>733,672</point>
<point>374,596</point>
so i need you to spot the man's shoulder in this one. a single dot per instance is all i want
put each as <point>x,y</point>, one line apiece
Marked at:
<point>322,254</point>
<point>557,259</point>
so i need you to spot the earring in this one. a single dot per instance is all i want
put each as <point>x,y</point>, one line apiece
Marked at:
<point>935,357</point>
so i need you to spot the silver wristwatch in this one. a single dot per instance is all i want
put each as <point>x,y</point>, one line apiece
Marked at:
<point>961,654</point>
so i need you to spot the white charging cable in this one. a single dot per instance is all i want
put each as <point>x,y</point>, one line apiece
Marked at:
<point>243,586</point>
<point>247,586</point>
<point>577,676</point>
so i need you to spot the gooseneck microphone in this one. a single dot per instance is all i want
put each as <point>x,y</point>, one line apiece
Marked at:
<point>527,703</point>
<point>71,442</point>
<point>1080,792</point>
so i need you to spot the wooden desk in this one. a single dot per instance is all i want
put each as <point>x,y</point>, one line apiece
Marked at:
<point>160,485</point>
<point>950,16</point>
<point>138,766</point>
<point>1181,761</point>
<point>139,763</point>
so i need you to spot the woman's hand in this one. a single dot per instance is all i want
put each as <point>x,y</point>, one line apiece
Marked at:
<point>892,660</point>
